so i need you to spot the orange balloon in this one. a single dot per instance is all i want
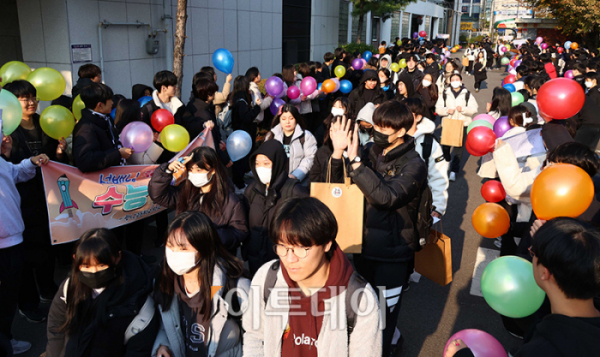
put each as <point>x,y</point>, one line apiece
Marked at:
<point>574,46</point>
<point>490,220</point>
<point>453,50</point>
<point>328,86</point>
<point>561,190</point>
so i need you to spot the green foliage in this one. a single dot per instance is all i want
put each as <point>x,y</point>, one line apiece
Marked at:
<point>476,39</point>
<point>360,47</point>
<point>462,38</point>
<point>383,8</point>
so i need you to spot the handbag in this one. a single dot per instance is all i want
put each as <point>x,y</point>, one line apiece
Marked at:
<point>452,131</point>
<point>465,61</point>
<point>434,261</point>
<point>346,201</point>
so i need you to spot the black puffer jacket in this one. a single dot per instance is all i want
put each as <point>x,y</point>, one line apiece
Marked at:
<point>594,93</point>
<point>416,76</point>
<point>412,93</point>
<point>196,114</point>
<point>361,96</point>
<point>231,224</point>
<point>111,313</point>
<point>262,203</point>
<point>588,115</point>
<point>391,189</point>
<point>94,148</point>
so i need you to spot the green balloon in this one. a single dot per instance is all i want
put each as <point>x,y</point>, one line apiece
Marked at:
<point>48,82</point>
<point>505,60</point>
<point>509,287</point>
<point>57,122</point>
<point>477,123</point>
<point>12,71</point>
<point>12,112</point>
<point>516,98</point>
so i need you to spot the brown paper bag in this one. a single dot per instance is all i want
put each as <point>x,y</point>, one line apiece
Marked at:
<point>346,201</point>
<point>452,132</point>
<point>465,61</point>
<point>434,261</point>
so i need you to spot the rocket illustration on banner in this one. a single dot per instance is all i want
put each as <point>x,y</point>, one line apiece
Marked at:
<point>63,185</point>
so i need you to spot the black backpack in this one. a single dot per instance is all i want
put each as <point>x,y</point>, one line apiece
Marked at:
<point>356,282</point>
<point>467,97</point>
<point>427,145</point>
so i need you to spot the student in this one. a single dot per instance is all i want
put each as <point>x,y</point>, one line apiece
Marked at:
<point>391,197</point>
<point>364,119</point>
<point>479,71</point>
<point>501,103</point>
<point>519,119</point>
<point>522,72</point>
<point>428,91</point>
<point>88,74</point>
<point>163,97</point>
<point>96,144</point>
<point>317,278</point>
<point>369,91</point>
<point>382,47</point>
<point>222,97</point>
<point>431,67</point>
<point>385,80</point>
<point>207,189</point>
<point>327,61</point>
<point>303,102</point>
<point>197,320</point>
<point>592,87</point>
<point>12,250</point>
<point>254,77</point>
<point>470,55</point>
<point>339,108</point>
<point>140,90</point>
<point>300,145</point>
<point>411,70</point>
<point>443,81</point>
<point>97,311</point>
<point>272,185</point>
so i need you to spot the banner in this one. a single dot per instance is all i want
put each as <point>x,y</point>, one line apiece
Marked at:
<point>109,198</point>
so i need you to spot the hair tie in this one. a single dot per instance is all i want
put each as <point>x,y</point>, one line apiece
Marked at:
<point>527,120</point>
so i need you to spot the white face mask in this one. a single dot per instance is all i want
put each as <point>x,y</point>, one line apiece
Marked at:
<point>426,83</point>
<point>337,111</point>
<point>456,84</point>
<point>264,175</point>
<point>181,262</point>
<point>198,179</point>
<point>589,84</point>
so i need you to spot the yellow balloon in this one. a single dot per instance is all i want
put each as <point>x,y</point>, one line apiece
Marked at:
<point>399,43</point>
<point>13,71</point>
<point>57,122</point>
<point>340,71</point>
<point>174,138</point>
<point>48,82</point>
<point>78,106</point>
<point>395,67</point>
<point>507,46</point>
<point>402,63</point>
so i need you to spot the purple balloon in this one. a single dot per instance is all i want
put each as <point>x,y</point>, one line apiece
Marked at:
<point>277,102</point>
<point>308,85</point>
<point>274,86</point>
<point>569,74</point>
<point>481,343</point>
<point>517,63</point>
<point>501,126</point>
<point>137,135</point>
<point>337,84</point>
<point>283,92</point>
<point>357,64</point>
<point>415,34</point>
<point>490,119</point>
<point>293,92</point>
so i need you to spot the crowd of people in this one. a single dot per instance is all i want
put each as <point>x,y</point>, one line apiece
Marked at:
<point>247,239</point>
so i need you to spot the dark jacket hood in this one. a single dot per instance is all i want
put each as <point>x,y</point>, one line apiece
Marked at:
<point>554,134</point>
<point>274,150</point>
<point>369,74</point>
<point>137,91</point>
<point>410,88</point>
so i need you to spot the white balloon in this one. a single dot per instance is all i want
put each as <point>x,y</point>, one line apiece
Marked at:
<point>239,144</point>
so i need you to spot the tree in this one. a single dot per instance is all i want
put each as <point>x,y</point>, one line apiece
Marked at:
<point>536,8</point>
<point>178,53</point>
<point>577,17</point>
<point>383,8</point>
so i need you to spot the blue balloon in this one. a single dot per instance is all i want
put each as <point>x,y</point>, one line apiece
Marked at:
<point>510,87</point>
<point>112,113</point>
<point>143,100</point>
<point>367,55</point>
<point>239,144</point>
<point>319,88</point>
<point>567,45</point>
<point>345,86</point>
<point>223,60</point>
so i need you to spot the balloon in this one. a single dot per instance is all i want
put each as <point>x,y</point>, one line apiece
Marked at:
<point>415,34</point>
<point>402,63</point>
<point>539,40</point>
<point>517,63</point>
<point>57,122</point>
<point>160,119</point>
<point>223,60</point>
<point>48,82</point>
<point>560,50</point>
<point>503,49</point>
<point>485,117</point>
<point>399,43</point>
<point>481,140</point>
<point>13,71</point>
<point>278,102</point>
<point>453,50</point>
<point>12,112</point>
<point>512,62</point>
<point>422,33</point>
<point>476,123</point>
<point>501,126</point>
<point>490,220</point>
<point>145,99</point>
<point>308,85</point>
<point>561,190</point>
<point>481,343</point>
<point>510,79</point>
<point>504,61</point>
<point>574,46</point>
<point>345,86</point>
<point>510,87</point>
<point>509,287</point>
<point>137,135</point>
<point>328,86</point>
<point>339,71</point>
<point>442,57</point>
<point>283,92</point>
<point>560,98</point>
<point>512,71</point>
<point>274,86</point>
<point>78,106</point>
<point>544,46</point>
<point>337,84</point>
<point>293,92</point>
<point>364,62</point>
<point>395,67</point>
<point>516,98</point>
<point>357,64</point>
<point>367,55</point>
<point>113,113</point>
<point>493,191</point>
<point>567,45</point>
<point>569,74</point>
<point>507,47</point>
<point>239,144</point>
<point>174,138</point>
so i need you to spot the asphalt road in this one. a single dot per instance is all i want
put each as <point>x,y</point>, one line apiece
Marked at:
<point>430,313</point>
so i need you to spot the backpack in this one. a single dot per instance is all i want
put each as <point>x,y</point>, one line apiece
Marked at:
<point>467,97</point>
<point>427,145</point>
<point>356,282</point>
<point>287,191</point>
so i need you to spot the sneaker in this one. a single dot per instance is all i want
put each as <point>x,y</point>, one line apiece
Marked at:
<point>452,176</point>
<point>19,346</point>
<point>240,191</point>
<point>476,90</point>
<point>36,315</point>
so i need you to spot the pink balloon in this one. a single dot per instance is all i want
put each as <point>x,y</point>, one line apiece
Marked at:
<point>481,343</point>
<point>544,46</point>
<point>137,135</point>
<point>364,61</point>
<point>337,84</point>
<point>308,85</point>
<point>569,74</point>
<point>490,119</point>
<point>293,92</point>
<point>539,40</point>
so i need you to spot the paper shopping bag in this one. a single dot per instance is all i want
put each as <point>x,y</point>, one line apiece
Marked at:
<point>434,261</point>
<point>465,61</point>
<point>452,132</point>
<point>346,201</point>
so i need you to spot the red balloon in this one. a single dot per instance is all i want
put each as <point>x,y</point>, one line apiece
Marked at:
<point>560,50</point>
<point>480,141</point>
<point>560,98</point>
<point>423,34</point>
<point>493,191</point>
<point>510,79</point>
<point>512,61</point>
<point>161,118</point>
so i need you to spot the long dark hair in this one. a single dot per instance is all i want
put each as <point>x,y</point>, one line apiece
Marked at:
<point>290,108</point>
<point>201,234</point>
<point>214,200</point>
<point>432,89</point>
<point>330,119</point>
<point>501,101</point>
<point>99,246</point>
<point>127,111</point>
<point>241,90</point>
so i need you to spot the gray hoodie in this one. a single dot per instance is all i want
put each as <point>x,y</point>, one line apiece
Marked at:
<point>366,115</point>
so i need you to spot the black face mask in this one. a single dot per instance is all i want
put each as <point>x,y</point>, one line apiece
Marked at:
<point>381,140</point>
<point>98,279</point>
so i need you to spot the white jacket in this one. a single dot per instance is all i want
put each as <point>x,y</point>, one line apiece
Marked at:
<point>265,328</point>
<point>301,156</point>
<point>437,167</point>
<point>471,53</point>
<point>468,109</point>
<point>265,103</point>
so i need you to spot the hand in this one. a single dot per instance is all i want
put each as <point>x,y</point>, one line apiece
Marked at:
<point>292,176</point>
<point>164,351</point>
<point>488,107</point>
<point>39,160</point>
<point>157,137</point>
<point>258,101</point>
<point>229,78</point>
<point>209,125</point>
<point>229,164</point>
<point>6,145</point>
<point>222,146</point>
<point>177,165</point>
<point>436,215</point>
<point>62,147</point>
<point>126,152</point>
<point>338,134</point>
<point>450,111</point>
<point>303,98</point>
<point>353,146</point>
<point>537,224</point>
<point>455,346</point>
<point>459,108</point>
<point>499,144</point>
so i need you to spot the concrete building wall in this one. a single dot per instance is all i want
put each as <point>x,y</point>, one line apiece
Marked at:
<point>324,30</point>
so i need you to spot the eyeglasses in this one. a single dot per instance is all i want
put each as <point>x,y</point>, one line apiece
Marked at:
<point>531,252</point>
<point>29,100</point>
<point>283,251</point>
